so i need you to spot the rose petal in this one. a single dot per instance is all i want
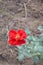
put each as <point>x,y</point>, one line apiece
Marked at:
<point>20,42</point>
<point>12,34</point>
<point>22,34</point>
<point>12,42</point>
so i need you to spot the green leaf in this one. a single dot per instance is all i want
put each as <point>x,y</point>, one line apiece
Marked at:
<point>28,31</point>
<point>40,28</point>
<point>35,39</point>
<point>40,48</point>
<point>29,38</point>
<point>41,39</point>
<point>41,57</point>
<point>20,57</point>
<point>36,59</point>
<point>19,47</point>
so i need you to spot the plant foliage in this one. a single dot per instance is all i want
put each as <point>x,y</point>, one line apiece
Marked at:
<point>33,47</point>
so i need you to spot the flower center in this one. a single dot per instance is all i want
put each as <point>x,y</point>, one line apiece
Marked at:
<point>17,36</point>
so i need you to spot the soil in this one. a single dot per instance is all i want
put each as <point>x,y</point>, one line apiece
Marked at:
<point>15,14</point>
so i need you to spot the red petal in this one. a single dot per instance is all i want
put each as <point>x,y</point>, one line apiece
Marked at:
<point>16,42</point>
<point>20,42</point>
<point>12,42</point>
<point>22,34</point>
<point>12,34</point>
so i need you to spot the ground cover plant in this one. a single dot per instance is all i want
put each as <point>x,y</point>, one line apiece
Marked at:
<point>28,46</point>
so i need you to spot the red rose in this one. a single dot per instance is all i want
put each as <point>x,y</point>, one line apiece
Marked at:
<point>17,37</point>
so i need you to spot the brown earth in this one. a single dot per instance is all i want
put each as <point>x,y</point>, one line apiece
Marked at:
<point>15,14</point>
